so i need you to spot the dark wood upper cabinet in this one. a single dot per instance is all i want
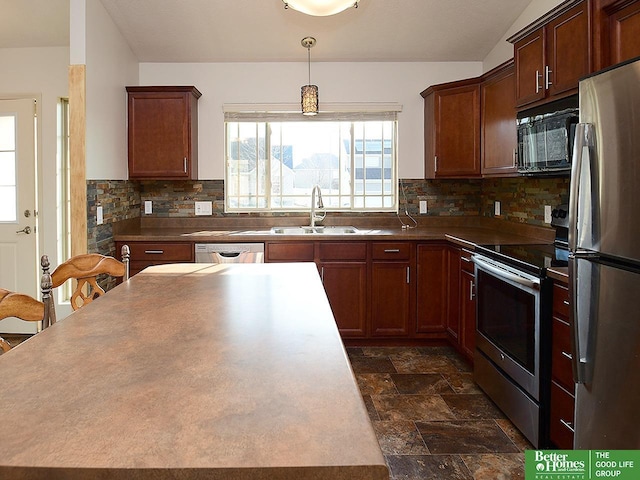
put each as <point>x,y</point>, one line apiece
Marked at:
<point>552,54</point>
<point>163,132</point>
<point>452,129</point>
<point>616,31</point>
<point>498,122</point>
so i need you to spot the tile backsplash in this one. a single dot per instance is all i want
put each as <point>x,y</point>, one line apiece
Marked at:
<point>522,200</point>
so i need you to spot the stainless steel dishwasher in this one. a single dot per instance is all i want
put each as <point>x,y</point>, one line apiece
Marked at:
<point>229,252</point>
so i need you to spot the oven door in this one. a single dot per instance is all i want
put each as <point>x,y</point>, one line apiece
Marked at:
<point>508,321</point>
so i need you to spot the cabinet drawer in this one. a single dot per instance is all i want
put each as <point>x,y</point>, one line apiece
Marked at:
<point>465,262</point>
<point>561,417</point>
<point>391,251</point>
<point>342,251</point>
<point>561,301</point>
<point>161,252</point>
<point>289,252</point>
<point>561,354</point>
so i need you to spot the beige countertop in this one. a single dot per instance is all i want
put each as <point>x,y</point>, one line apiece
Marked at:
<point>188,371</point>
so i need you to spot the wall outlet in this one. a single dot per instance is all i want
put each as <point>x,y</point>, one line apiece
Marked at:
<point>148,207</point>
<point>547,214</point>
<point>496,208</point>
<point>99,217</point>
<point>423,207</point>
<point>204,208</point>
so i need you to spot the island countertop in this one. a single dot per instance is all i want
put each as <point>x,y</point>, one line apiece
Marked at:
<point>190,371</point>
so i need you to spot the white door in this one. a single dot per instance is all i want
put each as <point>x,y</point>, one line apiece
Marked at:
<point>18,238</point>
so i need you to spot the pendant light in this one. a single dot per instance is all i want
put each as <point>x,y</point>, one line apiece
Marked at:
<point>320,8</point>
<point>309,93</point>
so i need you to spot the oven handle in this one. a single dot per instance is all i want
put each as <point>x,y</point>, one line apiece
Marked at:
<point>499,272</point>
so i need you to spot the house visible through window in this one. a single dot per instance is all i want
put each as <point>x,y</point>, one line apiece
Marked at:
<point>273,161</point>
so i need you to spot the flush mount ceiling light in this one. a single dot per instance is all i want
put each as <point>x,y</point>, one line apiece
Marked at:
<point>320,8</point>
<point>309,92</point>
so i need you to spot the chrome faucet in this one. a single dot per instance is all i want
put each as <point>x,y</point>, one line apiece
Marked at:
<point>314,217</point>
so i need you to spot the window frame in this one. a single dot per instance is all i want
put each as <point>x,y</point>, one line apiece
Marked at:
<point>264,116</point>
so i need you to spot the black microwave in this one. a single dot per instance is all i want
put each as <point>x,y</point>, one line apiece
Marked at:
<point>545,142</point>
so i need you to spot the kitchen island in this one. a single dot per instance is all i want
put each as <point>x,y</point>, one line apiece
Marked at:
<point>190,371</point>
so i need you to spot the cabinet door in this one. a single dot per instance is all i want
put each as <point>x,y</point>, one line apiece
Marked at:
<point>390,298</point>
<point>499,123</point>
<point>467,313</point>
<point>289,252</point>
<point>162,132</point>
<point>569,54</point>
<point>529,54</point>
<point>624,32</point>
<point>457,124</point>
<point>346,286</point>
<point>453,293</point>
<point>431,281</point>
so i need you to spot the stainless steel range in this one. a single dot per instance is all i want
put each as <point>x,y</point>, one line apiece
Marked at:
<point>513,339</point>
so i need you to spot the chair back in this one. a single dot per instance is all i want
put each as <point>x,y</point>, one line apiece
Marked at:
<point>25,307</point>
<point>85,269</point>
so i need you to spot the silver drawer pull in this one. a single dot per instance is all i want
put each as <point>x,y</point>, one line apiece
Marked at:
<point>569,425</point>
<point>392,250</point>
<point>154,252</point>
<point>465,259</point>
<point>566,302</point>
<point>567,355</point>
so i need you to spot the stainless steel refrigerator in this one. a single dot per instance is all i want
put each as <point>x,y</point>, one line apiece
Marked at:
<point>604,264</point>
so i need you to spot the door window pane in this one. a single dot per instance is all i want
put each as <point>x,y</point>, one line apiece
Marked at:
<point>8,201</point>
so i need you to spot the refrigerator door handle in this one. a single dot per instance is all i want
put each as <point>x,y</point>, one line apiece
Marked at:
<point>583,275</point>
<point>584,137</point>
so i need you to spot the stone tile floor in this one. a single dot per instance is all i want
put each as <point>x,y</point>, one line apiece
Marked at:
<point>431,420</point>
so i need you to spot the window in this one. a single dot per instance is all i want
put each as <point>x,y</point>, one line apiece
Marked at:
<point>64,193</point>
<point>8,187</point>
<point>273,161</point>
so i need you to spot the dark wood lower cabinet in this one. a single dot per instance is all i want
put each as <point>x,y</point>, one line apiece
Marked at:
<point>467,313</point>
<point>561,412</point>
<point>431,282</point>
<point>390,298</point>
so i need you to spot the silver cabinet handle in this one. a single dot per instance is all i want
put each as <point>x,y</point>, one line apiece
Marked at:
<point>436,162</point>
<point>567,424</point>
<point>408,277</point>
<point>538,77</point>
<point>392,250</point>
<point>26,230</point>
<point>566,302</point>
<point>471,292</point>
<point>185,164</point>
<point>322,274</point>
<point>465,259</point>
<point>567,355</point>
<point>154,252</point>
<point>547,74</point>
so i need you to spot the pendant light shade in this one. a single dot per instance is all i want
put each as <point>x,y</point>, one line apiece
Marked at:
<point>309,93</point>
<point>309,99</point>
<point>320,8</point>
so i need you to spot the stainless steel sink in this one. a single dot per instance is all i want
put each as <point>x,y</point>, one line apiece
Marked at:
<point>318,230</point>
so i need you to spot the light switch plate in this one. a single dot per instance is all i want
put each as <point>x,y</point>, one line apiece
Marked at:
<point>148,207</point>
<point>496,208</point>
<point>547,214</point>
<point>99,216</point>
<point>204,208</point>
<point>423,206</point>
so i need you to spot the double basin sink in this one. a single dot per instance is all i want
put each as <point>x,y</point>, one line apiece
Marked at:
<point>318,230</point>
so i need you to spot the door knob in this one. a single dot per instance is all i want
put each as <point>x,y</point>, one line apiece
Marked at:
<point>26,230</point>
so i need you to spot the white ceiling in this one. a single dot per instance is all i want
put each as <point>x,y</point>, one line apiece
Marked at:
<point>263,31</point>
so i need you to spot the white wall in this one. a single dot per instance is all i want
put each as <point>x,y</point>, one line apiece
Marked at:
<point>222,83</point>
<point>503,50</point>
<point>43,73</point>
<point>110,66</point>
